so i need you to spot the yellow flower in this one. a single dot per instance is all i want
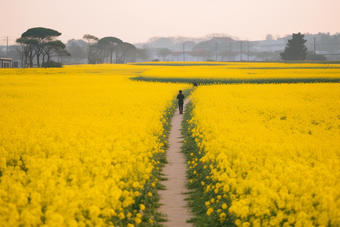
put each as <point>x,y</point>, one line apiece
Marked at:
<point>223,215</point>
<point>121,216</point>
<point>138,221</point>
<point>141,207</point>
<point>209,211</point>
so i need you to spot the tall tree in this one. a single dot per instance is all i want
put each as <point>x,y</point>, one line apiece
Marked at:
<point>295,49</point>
<point>125,50</point>
<point>77,52</point>
<point>143,54</point>
<point>42,36</point>
<point>109,44</point>
<point>53,47</point>
<point>28,49</point>
<point>163,53</point>
<point>91,53</point>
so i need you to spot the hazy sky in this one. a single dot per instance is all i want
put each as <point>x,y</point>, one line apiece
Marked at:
<point>137,20</point>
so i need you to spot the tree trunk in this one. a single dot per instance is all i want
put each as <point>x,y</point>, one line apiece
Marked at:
<point>38,60</point>
<point>31,59</point>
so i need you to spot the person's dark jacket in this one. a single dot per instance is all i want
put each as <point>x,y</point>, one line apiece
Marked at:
<point>180,98</point>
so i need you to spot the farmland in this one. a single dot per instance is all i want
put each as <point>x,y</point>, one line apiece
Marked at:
<point>84,145</point>
<point>268,155</point>
<point>243,73</point>
<point>80,146</point>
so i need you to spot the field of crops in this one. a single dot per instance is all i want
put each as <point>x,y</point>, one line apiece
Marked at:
<point>244,73</point>
<point>84,145</point>
<point>268,155</point>
<point>80,146</point>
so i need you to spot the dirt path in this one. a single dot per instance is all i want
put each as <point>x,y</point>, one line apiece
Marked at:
<point>174,205</point>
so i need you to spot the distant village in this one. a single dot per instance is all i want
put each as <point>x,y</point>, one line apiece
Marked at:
<point>322,46</point>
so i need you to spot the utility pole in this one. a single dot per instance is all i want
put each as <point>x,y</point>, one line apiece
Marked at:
<point>314,44</point>
<point>183,53</point>
<point>7,47</point>
<point>241,52</point>
<point>248,51</point>
<point>6,39</point>
<point>216,50</point>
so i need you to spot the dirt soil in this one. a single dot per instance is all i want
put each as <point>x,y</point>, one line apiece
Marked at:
<point>172,199</point>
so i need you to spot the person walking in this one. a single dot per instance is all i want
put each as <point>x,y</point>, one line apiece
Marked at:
<point>180,98</point>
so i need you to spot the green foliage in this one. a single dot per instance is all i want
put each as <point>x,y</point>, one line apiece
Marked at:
<point>163,53</point>
<point>109,41</point>
<point>52,64</point>
<point>312,56</point>
<point>40,33</point>
<point>295,49</point>
<point>197,175</point>
<point>201,81</point>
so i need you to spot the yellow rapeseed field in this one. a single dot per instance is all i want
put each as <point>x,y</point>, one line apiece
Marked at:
<point>77,144</point>
<point>245,71</point>
<point>272,153</point>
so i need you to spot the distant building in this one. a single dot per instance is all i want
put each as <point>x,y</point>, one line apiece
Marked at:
<point>220,40</point>
<point>200,54</point>
<point>16,64</point>
<point>6,63</point>
<point>270,45</point>
<point>180,56</point>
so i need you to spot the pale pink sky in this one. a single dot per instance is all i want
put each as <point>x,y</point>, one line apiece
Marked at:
<point>137,20</point>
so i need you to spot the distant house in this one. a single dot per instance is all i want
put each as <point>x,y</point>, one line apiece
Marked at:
<point>186,56</point>
<point>270,45</point>
<point>200,54</point>
<point>6,63</point>
<point>16,64</point>
<point>221,40</point>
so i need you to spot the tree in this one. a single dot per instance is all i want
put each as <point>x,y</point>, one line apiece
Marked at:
<point>28,50</point>
<point>312,56</point>
<point>42,36</point>
<point>77,52</point>
<point>295,49</point>
<point>163,53</point>
<point>109,45</point>
<point>125,51</point>
<point>264,55</point>
<point>143,54</point>
<point>205,54</point>
<point>227,54</point>
<point>269,37</point>
<point>53,47</point>
<point>91,53</point>
<point>159,42</point>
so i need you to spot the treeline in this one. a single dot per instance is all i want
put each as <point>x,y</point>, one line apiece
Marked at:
<point>109,50</point>
<point>40,44</point>
<point>39,47</point>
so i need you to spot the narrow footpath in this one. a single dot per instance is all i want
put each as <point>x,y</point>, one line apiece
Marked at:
<point>172,199</point>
